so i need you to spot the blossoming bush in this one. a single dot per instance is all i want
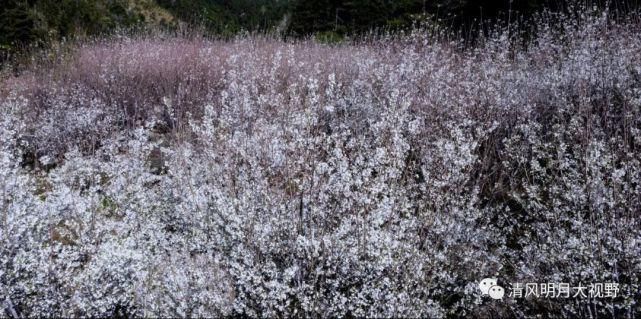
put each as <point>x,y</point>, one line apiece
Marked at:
<point>191,177</point>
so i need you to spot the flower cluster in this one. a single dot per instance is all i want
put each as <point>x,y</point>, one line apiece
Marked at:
<point>258,177</point>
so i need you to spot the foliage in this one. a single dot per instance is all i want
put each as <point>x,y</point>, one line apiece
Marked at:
<point>39,22</point>
<point>191,177</point>
<point>230,17</point>
<point>328,37</point>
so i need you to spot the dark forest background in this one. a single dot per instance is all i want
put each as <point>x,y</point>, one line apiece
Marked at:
<point>34,23</point>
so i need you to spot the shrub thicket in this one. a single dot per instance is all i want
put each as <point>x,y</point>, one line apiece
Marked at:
<point>189,177</point>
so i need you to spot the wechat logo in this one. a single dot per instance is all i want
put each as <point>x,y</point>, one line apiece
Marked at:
<point>490,287</point>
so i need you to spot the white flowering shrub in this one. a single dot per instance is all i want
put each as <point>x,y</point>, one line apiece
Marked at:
<point>268,178</point>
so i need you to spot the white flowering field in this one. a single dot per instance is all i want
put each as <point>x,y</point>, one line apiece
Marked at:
<point>176,176</point>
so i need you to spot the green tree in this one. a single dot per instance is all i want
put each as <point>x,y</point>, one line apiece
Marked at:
<point>17,23</point>
<point>314,16</point>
